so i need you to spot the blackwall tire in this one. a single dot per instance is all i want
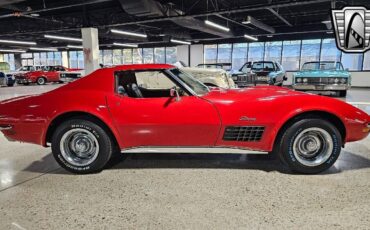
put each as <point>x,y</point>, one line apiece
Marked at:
<point>343,93</point>
<point>41,81</point>
<point>310,146</point>
<point>81,146</point>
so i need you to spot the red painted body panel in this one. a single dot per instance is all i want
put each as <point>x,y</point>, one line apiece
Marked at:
<point>192,121</point>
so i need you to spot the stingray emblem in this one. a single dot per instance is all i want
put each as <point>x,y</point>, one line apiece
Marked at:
<point>352,29</point>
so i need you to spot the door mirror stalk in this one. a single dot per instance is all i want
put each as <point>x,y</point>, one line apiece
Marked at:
<point>174,92</point>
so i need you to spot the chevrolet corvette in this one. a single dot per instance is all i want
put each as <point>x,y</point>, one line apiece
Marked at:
<point>157,107</point>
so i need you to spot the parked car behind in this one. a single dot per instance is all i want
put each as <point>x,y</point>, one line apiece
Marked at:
<point>323,76</point>
<point>6,79</point>
<point>244,77</point>
<point>268,72</point>
<point>48,74</point>
<point>214,77</point>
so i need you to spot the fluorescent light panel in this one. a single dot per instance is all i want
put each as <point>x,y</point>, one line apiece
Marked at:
<point>43,49</point>
<point>63,38</point>
<point>250,37</point>
<point>128,33</point>
<point>12,51</point>
<point>17,42</point>
<point>75,47</point>
<point>180,42</point>
<point>218,26</point>
<point>125,44</point>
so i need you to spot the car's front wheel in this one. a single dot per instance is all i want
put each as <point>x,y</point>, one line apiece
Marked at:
<point>310,145</point>
<point>82,146</point>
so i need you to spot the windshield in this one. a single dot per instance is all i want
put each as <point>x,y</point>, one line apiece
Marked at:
<point>263,66</point>
<point>198,87</point>
<point>322,66</point>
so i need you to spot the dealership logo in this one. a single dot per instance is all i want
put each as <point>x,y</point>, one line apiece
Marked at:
<point>352,29</point>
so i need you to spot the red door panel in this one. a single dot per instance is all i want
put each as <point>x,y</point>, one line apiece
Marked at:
<point>191,121</point>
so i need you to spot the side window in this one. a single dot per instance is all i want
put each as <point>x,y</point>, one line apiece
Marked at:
<point>153,80</point>
<point>144,84</point>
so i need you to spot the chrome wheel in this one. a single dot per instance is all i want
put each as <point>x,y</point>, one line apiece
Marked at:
<point>313,146</point>
<point>79,147</point>
<point>41,81</point>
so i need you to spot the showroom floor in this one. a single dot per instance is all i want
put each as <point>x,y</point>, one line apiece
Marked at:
<point>187,191</point>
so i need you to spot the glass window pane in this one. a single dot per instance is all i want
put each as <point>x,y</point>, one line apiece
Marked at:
<point>159,55</point>
<point>137,55</point>
<point>352,61</point>
<point>80,58</point>
<point>43,59</point>
<point>100,56</point>
<point>50,58</point>
<point>273,51</point>
<point>291,54</point>
<point>171,55</point>
<point>224,53</point>
<point>108,57</point>
<point>367,61</point>
<point>329,51</point>
<point>148,55</point>
<point>255,52</point>
<point>210,54</point>
<point>310,51</point>
<point>240,55</point>
<point>73,63</point>
<point>58,58</point>
<point>117,57</point>
<point>127,56</point>
<point>26,55</point>
<point>36,59</point>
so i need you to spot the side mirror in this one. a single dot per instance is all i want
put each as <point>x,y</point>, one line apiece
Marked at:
<point>121,91</point>
<point>175,93</point>
<point>285,78</point>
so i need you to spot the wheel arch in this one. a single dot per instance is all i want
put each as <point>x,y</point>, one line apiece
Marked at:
<point>330,117</point>
<point>78,115</point>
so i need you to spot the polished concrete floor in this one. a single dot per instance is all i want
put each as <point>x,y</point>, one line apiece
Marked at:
<point>186,191</point>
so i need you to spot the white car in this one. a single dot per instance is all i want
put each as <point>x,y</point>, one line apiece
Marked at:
<point>211,77</point>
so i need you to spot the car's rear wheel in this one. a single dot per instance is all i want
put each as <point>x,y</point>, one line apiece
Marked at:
<point>310,145</point>
<point>82,146</point>
<point>41,81</point>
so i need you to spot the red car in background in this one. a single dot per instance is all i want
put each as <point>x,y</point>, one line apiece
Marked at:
<point>159,108</point>
<point>48,74</point>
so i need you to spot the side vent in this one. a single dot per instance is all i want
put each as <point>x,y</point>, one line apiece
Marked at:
<point>243,133</point>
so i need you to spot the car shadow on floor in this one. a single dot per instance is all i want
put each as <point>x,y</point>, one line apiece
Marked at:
<point>347,161</point>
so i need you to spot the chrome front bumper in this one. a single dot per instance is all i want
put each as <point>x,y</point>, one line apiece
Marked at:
<point>320,87</point>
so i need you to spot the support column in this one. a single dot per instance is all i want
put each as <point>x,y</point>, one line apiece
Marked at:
<point>17,61</point>
<point>65,60</point>
<point>90,43</point>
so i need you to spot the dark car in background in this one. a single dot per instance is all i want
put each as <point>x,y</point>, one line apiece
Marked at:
<point>268,72</point>
<point>6,79</point>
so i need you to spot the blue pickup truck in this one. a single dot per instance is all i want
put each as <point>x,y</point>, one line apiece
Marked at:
<point>6,79</point>
<point>323,76</point>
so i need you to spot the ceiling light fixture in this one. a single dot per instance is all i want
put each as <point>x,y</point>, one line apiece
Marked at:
<point>125,44</point>
<point>250,37</point>
<point>12,51</point>
<point>17,42</point>
<point>128,33</point>
<point>43,49</point>
<point>217,25</point>
<point>180,42</point>
<point>75,47</point>
<point>63,38</point>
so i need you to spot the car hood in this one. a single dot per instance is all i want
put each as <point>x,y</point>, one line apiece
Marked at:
<point>259,93</point>
<point>320,73</point>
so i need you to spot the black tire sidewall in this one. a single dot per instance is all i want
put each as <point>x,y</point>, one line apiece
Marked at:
<point>105,146</point>
<point>293,131</point>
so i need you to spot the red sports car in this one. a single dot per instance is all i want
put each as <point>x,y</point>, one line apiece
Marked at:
<point>157,107</point>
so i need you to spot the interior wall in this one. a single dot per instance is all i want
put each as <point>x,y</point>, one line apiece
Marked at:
<point>183,54</point>
<point>196,55</point>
